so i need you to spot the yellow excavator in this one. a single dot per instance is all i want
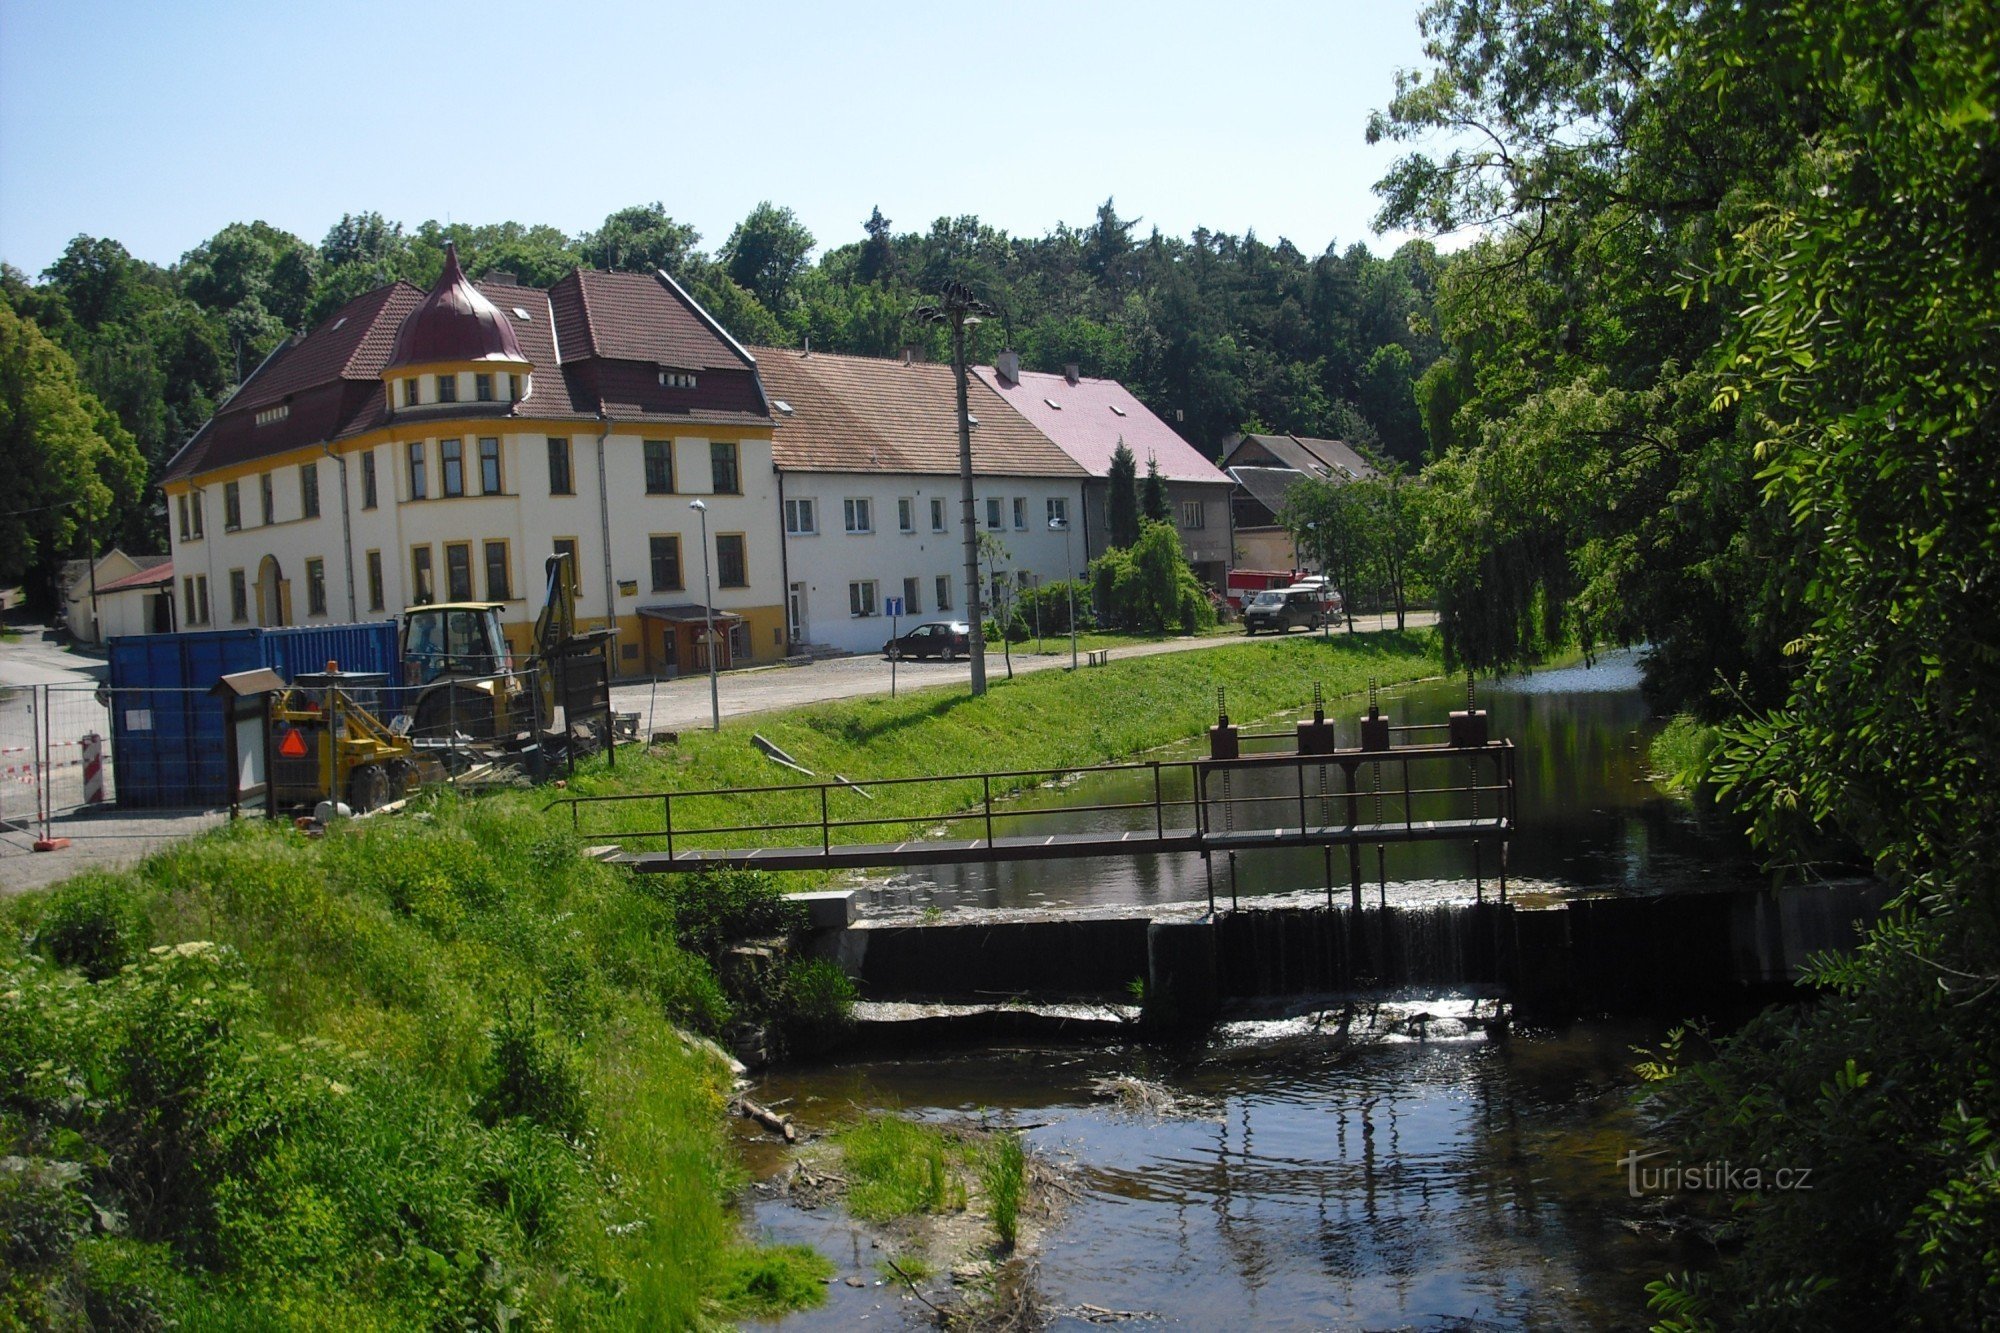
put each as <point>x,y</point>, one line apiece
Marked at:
<point>466,680</point>
<point>326,743</point>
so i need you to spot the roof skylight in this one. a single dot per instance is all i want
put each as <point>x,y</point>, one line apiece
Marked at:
<point>521,313</point>
<point>337,323</point>
<point>782,406</point>
<point>1117,409</point>
<point>1053,403</point>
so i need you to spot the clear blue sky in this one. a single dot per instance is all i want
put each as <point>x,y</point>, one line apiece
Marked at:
<point>158,124</point>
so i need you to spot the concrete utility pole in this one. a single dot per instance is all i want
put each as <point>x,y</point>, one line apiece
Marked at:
<point>960,309</point>
<point>708,621</point>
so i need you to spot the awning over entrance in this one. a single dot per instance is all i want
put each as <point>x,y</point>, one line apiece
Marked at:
<point>690,613</point>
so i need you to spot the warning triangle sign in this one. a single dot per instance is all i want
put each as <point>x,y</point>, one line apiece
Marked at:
<point>293,746</point>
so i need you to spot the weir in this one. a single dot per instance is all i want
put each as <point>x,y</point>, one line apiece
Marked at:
<point>1671,954</point>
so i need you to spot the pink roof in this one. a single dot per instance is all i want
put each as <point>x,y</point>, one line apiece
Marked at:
<point>1088,418</point>
<point>149,577</point>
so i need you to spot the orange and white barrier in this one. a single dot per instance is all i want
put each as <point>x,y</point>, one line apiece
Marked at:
<point>93,769</point>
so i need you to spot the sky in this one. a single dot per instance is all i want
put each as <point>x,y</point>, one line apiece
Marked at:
<point>158,124</point>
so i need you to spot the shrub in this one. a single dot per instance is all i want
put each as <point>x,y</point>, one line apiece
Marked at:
<point>718,907</point>
<point>95,923</point>
<point>815,1005</point>
<point>531,1073</point>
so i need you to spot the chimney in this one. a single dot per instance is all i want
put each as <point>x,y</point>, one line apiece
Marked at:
<point>909,355</point>
<point>1008,366</point>
<point>1070,372</point>
<point>503,276</point>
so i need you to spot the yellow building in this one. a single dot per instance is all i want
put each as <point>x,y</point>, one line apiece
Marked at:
<point>438,446</point>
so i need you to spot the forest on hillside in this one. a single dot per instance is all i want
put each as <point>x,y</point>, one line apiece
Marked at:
<point>1218,333</point>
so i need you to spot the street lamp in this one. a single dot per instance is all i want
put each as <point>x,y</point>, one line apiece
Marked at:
<point>1061,524</point>
<point>708,620</point>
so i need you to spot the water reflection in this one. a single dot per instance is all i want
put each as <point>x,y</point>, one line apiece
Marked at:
<point>1309,1182</point>
<point>1589,818</point>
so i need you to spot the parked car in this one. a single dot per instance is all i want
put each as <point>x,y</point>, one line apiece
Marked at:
<point>937,638</point>
<point>1279,609</point>
<point>1331,603</point>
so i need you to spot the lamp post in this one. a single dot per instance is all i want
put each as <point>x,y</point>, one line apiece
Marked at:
<point>708,621</point>
<point>959,310</point>
<point>1069,576</point>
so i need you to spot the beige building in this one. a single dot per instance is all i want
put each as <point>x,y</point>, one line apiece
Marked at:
<point>438,446</point>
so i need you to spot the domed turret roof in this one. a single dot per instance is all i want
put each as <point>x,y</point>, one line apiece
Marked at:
<point>454,323</point>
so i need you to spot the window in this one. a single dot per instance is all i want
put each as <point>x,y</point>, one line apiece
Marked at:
<point>567,546</point>
<point>458,571</point>
<point>559,475</point>
<point>666,554</point>
<point>410,398</point>
<point>722,467</point>
<point>315,587</point>
<point>232,506</point>
<point>368,494</point>
<point>937,515</point>
<point>374,580</point>
<point>1058,511</point>
<point>187,601</point>
<point>448,388</point>
<point>270,504</point>
<point>993,513</point>
<point>944,592</point>
<point>201,596</point>
<point>182,506</point>
<point>513,388</point>
<point>421,591</point>
<point>800,520</point>
<point>309,490</point>
<point>731,569</point>
<point>239,596</point>
<point>451,467</point>
<point>418,490</point>
<point>489,465</point>
<point>659,467</point>
<point>860,517</point>
<point>1194,514</point>
<point>197,501</point>
<point>1020,513</point>
<point>913,597</point>
<point>482,387</point>
<point>498,587</point>
<point>861,598</point>
<point>906,514</point>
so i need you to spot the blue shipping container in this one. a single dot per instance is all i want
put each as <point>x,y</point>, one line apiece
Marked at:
<point>167,743</point>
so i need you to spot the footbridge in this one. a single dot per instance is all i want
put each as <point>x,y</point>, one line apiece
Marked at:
<point>1251,792</point>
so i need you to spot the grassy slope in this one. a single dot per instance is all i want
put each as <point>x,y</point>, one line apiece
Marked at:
<point>394,1177</point>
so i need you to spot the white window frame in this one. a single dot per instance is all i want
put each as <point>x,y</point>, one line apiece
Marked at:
<point>1194,515</point>
<point>858,514</point>
<point>861,599</point>
<point>806,509</point>
<point>942,587</point>
<point>906,514</point>
<point>913,596</point>
<point>1059,509</point>
<point>993,514</point>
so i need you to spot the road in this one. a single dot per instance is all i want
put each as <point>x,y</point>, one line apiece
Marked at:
<point>683,703</point>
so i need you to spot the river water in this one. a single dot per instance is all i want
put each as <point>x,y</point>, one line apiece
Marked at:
<point>1395,1164</point>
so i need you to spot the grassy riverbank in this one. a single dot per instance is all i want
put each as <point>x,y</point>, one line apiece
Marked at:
<point>425,1071</point>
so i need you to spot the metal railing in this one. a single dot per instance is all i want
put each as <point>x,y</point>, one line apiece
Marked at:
<point>1225,820</point>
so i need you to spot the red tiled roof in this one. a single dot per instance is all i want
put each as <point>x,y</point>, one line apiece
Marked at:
<point>455,322</point>
<point>867,414</point>
<point>1087,419</point>
<point>150,577</point>
<point>601,352</point>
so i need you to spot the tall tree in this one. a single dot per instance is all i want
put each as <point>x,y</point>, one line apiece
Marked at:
<point>766,252</point>
<point>1121,506</point>
<point>877,260</point>
<point>640,239</point>
<point>1153,492</point>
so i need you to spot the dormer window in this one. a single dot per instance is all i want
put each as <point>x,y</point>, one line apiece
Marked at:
<point>447,388</point>
<point>482,388</point>
<point>677,379</point>
<point>271,415</point>
<point>410,398</point>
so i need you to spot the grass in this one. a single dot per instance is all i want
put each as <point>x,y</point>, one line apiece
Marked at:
<point>901,1168</point>
<point>424,1072</point>
<point>1047,720</point>
<point>1681,756</point>
<point>1005,1178</point>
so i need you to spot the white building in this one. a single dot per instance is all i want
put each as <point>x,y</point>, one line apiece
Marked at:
<point>867,459</point>
<point>438,447</point>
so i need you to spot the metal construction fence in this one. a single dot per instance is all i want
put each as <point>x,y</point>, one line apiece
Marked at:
<point>66,748</point>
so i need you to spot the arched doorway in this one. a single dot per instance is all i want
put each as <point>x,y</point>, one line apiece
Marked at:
<point>273,593</point>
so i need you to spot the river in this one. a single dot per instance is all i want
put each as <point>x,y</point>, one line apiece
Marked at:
<point>1368,1171</point>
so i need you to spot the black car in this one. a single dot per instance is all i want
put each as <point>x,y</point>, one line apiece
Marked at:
<point>1278,609</point>
<point>937,638</point>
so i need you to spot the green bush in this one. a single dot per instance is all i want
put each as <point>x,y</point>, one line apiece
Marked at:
<point>531,1073</point>
<point>815,1007</point>
<point>719,907</point>
<point>94,923</point>
<point>1151,587</point>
